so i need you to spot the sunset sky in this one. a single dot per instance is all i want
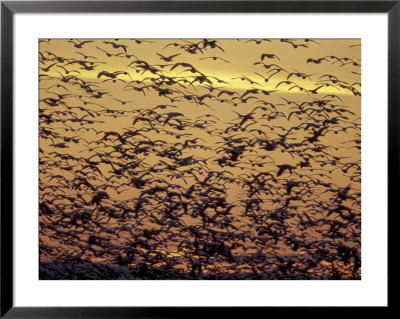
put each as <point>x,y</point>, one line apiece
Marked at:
<point>175,113</point>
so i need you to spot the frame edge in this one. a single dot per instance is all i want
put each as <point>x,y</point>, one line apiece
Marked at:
<point>6,177</point>
<point>393,123</point>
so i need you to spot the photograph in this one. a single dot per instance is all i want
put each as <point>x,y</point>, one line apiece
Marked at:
<point>199,159</point>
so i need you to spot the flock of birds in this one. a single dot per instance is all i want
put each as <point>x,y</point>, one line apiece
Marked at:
<point>154,166</point>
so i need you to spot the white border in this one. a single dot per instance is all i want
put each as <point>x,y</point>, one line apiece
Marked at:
<point>370,291</point>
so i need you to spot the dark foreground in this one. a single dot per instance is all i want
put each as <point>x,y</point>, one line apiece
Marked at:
<point>100,271</point>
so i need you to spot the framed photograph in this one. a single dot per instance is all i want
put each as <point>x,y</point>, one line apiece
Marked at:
<point>161,158</point>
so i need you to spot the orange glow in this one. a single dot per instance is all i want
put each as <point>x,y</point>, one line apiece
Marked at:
<point>238,157</point>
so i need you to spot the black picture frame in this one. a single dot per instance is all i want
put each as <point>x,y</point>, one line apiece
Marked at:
<point>9,8</point>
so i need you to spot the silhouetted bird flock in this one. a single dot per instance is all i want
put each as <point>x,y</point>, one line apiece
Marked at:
<point>141,177</point>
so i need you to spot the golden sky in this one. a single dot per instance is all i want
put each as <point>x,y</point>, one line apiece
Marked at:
<point>217,104</point>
